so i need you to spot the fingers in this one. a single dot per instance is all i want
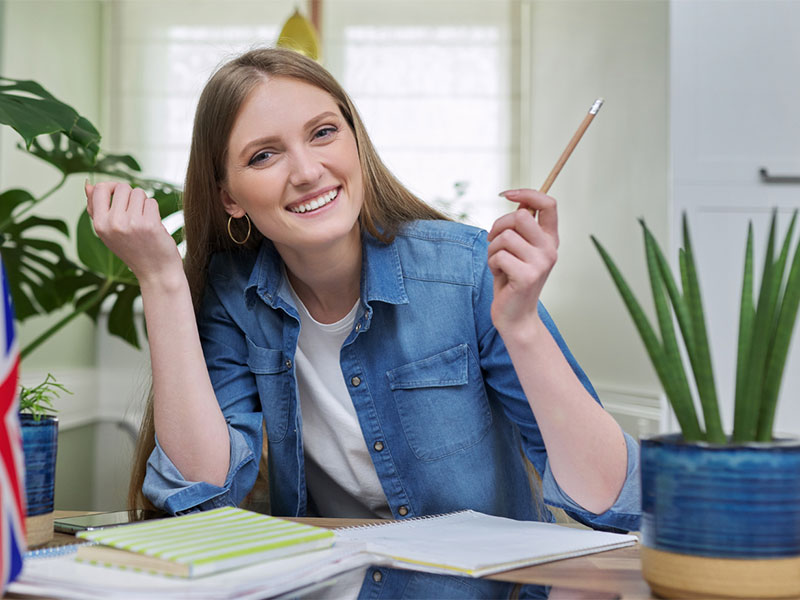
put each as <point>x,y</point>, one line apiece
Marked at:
<point>538,202</point>
<point>115,205</point>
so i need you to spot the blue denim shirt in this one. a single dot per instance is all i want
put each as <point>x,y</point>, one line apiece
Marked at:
<point>428,374</point>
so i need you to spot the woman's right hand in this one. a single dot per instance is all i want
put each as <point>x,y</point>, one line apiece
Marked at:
<point>129,224</point>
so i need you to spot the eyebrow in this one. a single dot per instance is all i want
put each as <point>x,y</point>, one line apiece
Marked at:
<point>264,141</point>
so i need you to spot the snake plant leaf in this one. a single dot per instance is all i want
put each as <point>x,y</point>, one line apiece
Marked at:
<point>747,315</point>
<point>33,260</point>
<point>700,357</point>
<point>759,346</point>
<point>32,111</point>
<point>686,415</point>
<point>70,157</point>
<point>779,347</point>
<point>673,364</point>
<point>675,296</point>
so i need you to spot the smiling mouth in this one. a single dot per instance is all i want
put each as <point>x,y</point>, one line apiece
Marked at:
<point>316,203</point>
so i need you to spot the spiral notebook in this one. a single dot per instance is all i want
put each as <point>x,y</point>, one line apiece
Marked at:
<point>201,543</point>
<point>472,543</point>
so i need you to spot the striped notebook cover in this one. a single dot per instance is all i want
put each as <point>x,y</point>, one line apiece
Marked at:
<point>201,543</point>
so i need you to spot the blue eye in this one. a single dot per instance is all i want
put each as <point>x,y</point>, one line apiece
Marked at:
<point>260,158</point>
<point>324,132</point>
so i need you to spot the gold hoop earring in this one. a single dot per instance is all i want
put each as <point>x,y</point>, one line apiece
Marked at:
<point>249,229</point>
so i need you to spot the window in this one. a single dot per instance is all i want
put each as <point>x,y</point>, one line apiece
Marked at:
<point>432,82</point>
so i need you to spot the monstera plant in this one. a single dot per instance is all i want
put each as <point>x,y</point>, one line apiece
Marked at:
<point>43,277</point>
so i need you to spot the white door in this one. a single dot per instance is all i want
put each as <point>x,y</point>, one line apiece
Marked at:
<point>735,113</point>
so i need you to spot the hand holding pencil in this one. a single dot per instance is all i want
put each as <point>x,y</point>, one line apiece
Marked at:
<point>523,247</point>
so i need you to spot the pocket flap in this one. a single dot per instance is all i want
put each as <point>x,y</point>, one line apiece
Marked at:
<point>444,369</point>
<point>264,361</point>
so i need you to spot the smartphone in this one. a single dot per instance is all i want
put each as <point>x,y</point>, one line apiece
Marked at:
<point>104,519</point>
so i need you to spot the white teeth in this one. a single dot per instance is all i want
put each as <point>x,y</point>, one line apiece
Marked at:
<point>316,202</point>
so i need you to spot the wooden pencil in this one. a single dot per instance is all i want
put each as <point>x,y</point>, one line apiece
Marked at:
<point>571,146</point>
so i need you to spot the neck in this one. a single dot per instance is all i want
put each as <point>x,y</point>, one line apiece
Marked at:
<point>327,280</point>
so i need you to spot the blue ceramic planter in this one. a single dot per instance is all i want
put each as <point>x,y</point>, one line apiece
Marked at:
<point>721,520</point>
<point>39,444</point>
<point>737,501</point>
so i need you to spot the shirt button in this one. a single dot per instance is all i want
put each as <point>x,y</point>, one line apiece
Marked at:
<point>356,381</point>
<point>402,511</point>
<point>377,576</point>
<point>358,326</point>
<point>378,446</point>
<point>288,364</point>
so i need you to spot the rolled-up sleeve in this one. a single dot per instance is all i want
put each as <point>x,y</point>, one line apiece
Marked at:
<point>167,489</point>
<point>623,515</point>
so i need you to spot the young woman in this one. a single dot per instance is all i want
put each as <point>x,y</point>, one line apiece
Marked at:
<point>401,363</point>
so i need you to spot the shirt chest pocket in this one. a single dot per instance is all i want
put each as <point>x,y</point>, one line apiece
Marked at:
<point>270,370</point>
<point>442,403</point>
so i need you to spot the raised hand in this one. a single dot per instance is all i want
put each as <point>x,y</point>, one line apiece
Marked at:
<point>129,223</point>
<point>522,251</point>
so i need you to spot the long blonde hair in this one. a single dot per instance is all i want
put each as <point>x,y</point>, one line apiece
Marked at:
<point>387,203</point>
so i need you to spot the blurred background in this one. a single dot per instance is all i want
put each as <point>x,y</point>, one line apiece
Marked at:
<point>463,99</point>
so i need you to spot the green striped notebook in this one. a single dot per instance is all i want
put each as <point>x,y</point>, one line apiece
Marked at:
<point>201,543</point>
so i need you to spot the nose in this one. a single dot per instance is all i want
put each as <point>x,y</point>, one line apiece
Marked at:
<point>306,168</point>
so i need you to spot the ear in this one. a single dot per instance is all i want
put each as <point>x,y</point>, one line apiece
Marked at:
<point>231,207</point>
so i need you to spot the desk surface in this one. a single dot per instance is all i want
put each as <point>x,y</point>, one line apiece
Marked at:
<point>612,574</point>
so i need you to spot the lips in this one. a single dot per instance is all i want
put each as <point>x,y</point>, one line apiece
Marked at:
<point>314,203</point>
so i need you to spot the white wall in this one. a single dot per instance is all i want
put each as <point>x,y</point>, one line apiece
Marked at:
<point>57,44</point>
<point>581,50</point>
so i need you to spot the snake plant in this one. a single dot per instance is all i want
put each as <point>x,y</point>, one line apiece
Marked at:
<point>766,324</point>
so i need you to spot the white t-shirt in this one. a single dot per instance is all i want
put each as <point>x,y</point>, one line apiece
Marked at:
<point>340,476</point>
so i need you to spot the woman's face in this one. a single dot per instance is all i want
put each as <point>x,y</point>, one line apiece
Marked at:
<point>293,166</point>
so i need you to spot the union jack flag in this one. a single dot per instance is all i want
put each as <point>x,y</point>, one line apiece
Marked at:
<point>12,475</point>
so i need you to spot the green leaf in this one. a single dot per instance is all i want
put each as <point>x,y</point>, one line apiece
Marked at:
<point>700,357</point>
<point>10,201</point>
<point>779,346</point>
<point>70,157</point>
<point>759,345</point>
<point>673,363</point>
<point>32,111</point>
<point>687,418</point>
<point>109,277</point>
<point>122,319</point>
<point>34,264</point>
<point>678,301</point>
<point>94,254</point>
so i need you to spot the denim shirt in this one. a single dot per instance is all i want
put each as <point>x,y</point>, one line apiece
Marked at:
<point>437,398</point>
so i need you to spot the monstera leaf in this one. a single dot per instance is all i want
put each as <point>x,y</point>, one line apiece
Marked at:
<point>107,277</point>
<point>34,264</point>
<point>70,157</point>
<point>32,111</point>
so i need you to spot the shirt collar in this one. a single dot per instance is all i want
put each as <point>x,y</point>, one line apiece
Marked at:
<point>381,274</point>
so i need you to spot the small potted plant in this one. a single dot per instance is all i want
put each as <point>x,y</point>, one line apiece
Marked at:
<point>40,445</point>
<point>720,514</point>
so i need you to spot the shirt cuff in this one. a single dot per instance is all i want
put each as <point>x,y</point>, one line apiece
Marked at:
<point>166,488</point>
<point>623,515</point>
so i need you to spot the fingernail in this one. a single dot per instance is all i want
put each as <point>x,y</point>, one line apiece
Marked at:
<point>508,193</point>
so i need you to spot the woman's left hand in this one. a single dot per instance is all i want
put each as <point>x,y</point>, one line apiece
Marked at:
<point>522,251</point>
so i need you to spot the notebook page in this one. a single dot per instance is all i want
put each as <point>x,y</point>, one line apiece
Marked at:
<point>478,544</point>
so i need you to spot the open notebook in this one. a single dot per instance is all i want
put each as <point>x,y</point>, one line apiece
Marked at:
<point>476,544</point>
<point>201,543</point>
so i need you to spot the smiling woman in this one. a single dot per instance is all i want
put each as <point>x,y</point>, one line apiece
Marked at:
<point>381,345</point>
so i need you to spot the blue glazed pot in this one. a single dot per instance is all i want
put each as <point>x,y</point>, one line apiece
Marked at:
<point>734,507</point>
<point>39,444</point>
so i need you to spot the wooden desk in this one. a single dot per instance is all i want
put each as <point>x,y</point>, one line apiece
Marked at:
<point>611,574</point>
